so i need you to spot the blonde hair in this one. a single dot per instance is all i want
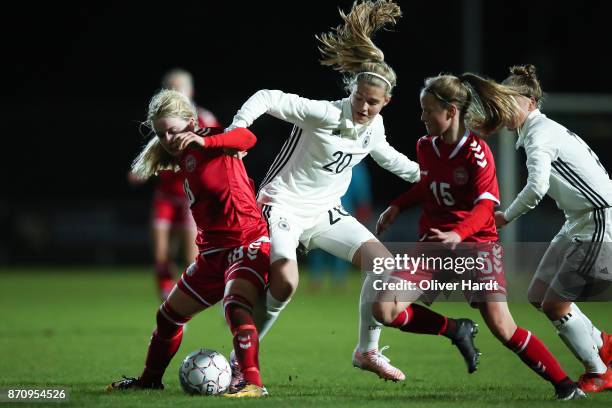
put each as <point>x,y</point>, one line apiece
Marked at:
<point>349,49</point>
<point>483,104</point>
<point>153,157</point>
<point>524,80</point>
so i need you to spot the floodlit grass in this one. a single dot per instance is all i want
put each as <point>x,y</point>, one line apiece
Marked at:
<point>82,328</point>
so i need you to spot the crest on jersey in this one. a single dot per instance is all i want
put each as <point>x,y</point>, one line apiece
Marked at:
<point>366,140</point>
<point>190,163</point>
<point>284,225</point>
<point>460,176</point>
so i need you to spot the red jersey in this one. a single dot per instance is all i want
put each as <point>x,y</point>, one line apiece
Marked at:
<point>453,179</point>
<point>221,195</point>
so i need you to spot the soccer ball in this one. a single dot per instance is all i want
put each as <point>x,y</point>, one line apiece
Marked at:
<point>205,372</point>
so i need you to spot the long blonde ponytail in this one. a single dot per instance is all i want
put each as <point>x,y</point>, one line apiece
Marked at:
<point>349,48</point>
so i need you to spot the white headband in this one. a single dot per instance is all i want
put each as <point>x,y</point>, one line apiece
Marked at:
<point>377,76</point>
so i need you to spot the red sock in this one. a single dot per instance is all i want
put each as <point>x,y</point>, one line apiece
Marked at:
<point>419,319</point>
<point>164,344</point>
<point>535,354</point>
<point>246,341</point>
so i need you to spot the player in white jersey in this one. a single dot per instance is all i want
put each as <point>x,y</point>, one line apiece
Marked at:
<point>563,166</point>
<point>300,195</point>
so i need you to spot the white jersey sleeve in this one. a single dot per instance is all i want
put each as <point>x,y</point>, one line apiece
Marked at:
<point>397,163</point>
<point>541,152</point>
<point>288,107</point>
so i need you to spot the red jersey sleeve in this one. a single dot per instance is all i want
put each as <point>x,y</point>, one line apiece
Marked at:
<point>483,168</point>
<point>410,198</point>
<point>239,139</point>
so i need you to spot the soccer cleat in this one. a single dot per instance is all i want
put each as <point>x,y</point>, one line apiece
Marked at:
<point>377,363</point>
<point>592,382</point>
<point>568,390</point>
<point>237,377</point>
<point>131,383</point>
<point>464,340</point>
<point>605,352</point>
<point>248,391</point>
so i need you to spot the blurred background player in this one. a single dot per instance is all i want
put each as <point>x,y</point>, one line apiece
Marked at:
<point>458,191</point>
<point>232,239</point>
<point>578,260</point>
<point>173,228</point>
<point>356,201</point>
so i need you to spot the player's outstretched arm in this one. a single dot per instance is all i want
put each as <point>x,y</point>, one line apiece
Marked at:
<point>397,163</point>
<point>386,219</point>
<point>240,139</point>
<point>541,152</point>
<point>288,107</point>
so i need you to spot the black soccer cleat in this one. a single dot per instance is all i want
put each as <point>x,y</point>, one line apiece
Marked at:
<point>464,340</point>
<point>568,390</point>
<point>131,383</point>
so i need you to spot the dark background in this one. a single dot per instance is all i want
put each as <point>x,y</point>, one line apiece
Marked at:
<point>79,78</point>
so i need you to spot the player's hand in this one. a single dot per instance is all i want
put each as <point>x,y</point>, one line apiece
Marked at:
<point>449,237</point>
<point>500,220</point>
<point>239,154</point>
<point>387,218</point>
<point>182,140</point>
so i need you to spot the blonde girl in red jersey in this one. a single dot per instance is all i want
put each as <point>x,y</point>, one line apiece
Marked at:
<point>232,238</point>
<point>171,222</point>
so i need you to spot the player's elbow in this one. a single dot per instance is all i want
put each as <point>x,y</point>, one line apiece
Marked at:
<point>250,139</point>
<point>539,188</point>
<point>245,138</point>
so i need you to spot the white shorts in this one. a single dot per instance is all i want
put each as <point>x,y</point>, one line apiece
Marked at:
<point>579,256</point>
<point>334,231</point>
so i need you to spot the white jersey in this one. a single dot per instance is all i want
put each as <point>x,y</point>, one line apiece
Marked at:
<point>561,164</point>
<point>313,169</point>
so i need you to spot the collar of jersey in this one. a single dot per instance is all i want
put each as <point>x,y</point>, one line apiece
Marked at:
<point>521,134</point>
<point>348,128</point>
<point>458,146</point>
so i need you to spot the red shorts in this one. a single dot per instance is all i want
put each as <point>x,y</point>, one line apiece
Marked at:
<point>205,279</point>
<point>486,282</point>
<point>171,211</point>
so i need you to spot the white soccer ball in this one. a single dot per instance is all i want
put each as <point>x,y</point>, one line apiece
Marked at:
<point>205,372</point>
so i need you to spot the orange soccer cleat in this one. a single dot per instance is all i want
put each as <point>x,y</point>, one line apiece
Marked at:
<point>605,352</point>
<point>592,382</point>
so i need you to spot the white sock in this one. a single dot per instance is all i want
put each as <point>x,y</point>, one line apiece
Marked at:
<point>595,333</point>
<point>266,314</point>
<point>577,336</point>
<point>369,328</point>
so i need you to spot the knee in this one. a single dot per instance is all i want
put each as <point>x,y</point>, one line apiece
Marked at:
<point>554,310</point>
<point>283,289</point>
<point>384,312</point>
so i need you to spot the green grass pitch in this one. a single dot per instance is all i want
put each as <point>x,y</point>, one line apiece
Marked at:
<point>83,328</point>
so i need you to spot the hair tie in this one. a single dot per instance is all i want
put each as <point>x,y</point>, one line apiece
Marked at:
<point>377,76</point>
